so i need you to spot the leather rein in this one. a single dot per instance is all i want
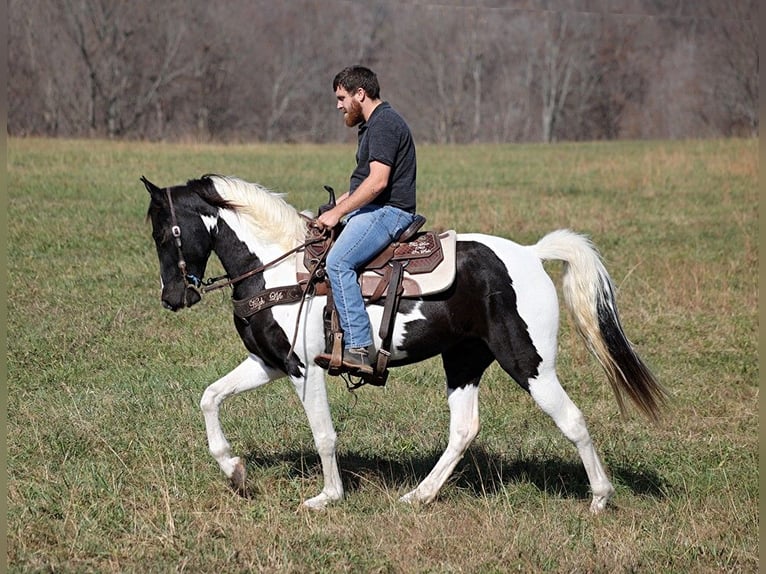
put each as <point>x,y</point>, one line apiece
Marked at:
<point>261,300</point>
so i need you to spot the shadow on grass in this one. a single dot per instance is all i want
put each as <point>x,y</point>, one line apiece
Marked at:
<point>481,472</point>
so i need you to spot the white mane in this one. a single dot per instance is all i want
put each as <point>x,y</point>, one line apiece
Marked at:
<point>264,213</point>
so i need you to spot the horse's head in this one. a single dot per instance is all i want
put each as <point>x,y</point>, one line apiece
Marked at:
<point>182,239</point>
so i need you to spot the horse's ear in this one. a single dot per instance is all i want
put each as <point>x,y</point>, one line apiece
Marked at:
<point>150,187</point>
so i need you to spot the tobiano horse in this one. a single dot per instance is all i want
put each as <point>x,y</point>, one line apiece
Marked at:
<point>502,306</point>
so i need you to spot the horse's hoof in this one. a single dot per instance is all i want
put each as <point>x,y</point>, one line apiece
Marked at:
<point>411,498</point>
<point>238,479</point>
<point>319,502</point>
<point>598,504</point>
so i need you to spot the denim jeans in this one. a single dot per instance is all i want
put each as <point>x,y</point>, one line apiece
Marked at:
<point>368,231</point>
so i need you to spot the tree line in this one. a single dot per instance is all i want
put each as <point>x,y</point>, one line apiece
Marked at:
<point>458,71</point>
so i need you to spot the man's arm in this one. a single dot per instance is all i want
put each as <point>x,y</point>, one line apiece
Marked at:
<point>364,194</point>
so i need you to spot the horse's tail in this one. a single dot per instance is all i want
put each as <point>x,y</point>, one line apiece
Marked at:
<point>589,296</point>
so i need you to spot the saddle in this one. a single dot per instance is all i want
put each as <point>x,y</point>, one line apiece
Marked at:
<point>418,263</point>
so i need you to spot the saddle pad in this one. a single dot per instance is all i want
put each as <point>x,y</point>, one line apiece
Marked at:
<point>436,281</point>
<point>420,284</point>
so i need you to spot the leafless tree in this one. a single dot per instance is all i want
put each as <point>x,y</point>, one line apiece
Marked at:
<point>448,57</point>
<point>567,66</point>
<point>109,37</point>
<point>607,79</point>
<point>107,67</point>
<point>735,63</point>
<point>460,71</point>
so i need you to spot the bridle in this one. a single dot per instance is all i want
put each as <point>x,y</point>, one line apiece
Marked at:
<point>191,281</point>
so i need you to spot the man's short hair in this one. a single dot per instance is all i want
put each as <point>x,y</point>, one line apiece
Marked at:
<point>355,77</point>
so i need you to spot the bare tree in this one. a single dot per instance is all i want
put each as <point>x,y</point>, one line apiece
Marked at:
<point>459,71</point>
<point>23,70</point>
<point>607,78</point>
<point>566,52</point>
<point>45,94</point>
<point>112,40</point>
<point>448,55</point>
<point>735,59</point>
<point>103,67</point>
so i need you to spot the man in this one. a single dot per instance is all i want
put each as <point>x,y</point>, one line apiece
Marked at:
<point>378,207</point>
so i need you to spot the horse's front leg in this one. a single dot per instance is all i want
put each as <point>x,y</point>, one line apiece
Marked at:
<point>250,374</point>
<point>313,394</point>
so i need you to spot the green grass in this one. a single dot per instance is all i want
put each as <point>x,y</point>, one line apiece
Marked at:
<point>108,468</point>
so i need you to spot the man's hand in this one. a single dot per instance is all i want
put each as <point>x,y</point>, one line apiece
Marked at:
<point>329,219</point>
<point>364,194</point>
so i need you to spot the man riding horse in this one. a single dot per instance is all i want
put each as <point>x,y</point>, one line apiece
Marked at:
<point>379,206</point>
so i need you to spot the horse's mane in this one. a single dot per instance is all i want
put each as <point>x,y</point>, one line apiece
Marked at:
<point>265,213</point>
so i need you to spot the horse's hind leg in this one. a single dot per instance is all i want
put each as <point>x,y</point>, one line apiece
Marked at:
<point>527,352</point>
<point>464,425</point>
<point>251,373</point>
<point>463,374</point>
<point>551,397</point>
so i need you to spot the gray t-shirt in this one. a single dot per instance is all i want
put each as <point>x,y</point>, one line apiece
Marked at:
<point>385,137</point>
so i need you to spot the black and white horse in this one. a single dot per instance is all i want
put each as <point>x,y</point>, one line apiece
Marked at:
<point>502,307</point>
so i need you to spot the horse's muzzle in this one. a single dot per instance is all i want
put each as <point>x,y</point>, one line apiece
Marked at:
<point>186,298</point>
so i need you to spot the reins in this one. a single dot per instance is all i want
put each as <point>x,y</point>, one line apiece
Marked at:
<point>194,283</point>
<point>299,291</point>
<point>224,280</point>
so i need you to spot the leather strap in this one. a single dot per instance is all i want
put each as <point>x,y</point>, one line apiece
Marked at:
<point>393,296</point>
<point>336,358</point>
<point>244,308</point>
<point>392,304</point>
<point>384,282</point>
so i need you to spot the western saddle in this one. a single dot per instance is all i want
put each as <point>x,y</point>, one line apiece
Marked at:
<point>416,264</point>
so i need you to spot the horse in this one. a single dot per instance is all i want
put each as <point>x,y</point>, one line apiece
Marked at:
<point>502,306</point>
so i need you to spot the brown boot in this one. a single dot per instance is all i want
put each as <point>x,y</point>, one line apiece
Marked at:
<point>356,360</point>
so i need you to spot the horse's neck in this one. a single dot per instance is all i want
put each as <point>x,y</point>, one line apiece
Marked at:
<point>240,251</point>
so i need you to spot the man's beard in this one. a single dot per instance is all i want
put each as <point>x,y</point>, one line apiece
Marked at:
<point>354,115</point>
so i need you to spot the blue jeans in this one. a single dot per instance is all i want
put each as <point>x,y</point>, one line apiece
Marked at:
<point>368,231</point>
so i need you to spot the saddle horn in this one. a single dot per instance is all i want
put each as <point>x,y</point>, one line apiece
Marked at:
<point>331,203</point>
<point>331,191</point>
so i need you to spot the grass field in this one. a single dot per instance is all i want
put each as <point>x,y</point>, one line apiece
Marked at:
<point>108,469</point>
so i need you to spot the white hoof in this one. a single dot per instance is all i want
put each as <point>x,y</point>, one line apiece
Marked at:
<point>229,465</point>
<point>598,504</point>
<point>412,498</point>
<point>319,502</point>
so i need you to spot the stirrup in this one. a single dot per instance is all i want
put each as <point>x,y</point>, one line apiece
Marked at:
<point>376,380</point>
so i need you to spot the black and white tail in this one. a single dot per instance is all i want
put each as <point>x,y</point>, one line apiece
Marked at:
<point>589,296</point>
